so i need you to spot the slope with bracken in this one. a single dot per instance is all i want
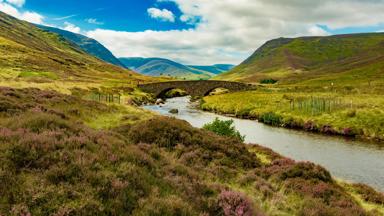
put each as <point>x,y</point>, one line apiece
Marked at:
<point>341,59</point>
<point>30,56</point>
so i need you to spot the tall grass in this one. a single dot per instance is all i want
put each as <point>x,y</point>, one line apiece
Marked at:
<point>333,113</point>
<point>317,105</point>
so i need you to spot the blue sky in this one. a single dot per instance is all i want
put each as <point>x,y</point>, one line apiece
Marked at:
<point>199,31</point>
<point>120,15</point>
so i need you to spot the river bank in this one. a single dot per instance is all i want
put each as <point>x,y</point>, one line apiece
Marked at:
<point>93,158</point>
<point>352,160</point>
<point>352,116</point>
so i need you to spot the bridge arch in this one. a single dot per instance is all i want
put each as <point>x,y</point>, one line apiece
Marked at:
<point>213,89</point>
<point>163,93</point>
<point>194,88</point>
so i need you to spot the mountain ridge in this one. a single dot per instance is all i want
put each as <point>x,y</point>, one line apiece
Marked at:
<point>91,46</point>
<point>314,60</point>
<point>38,57</point>
<point>165,67</point>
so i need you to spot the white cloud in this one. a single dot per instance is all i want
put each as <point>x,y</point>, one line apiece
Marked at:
<point>94,21</point>
<point>18,3</point>
<point>189,19</point>
<point>230,30</point>
<point>71,27</point>
<point>65,17</point>
<point>26,15</point>
<point>163,15</point>
<point>317,31</point>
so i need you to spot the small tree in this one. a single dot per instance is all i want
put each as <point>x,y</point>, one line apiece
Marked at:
<point>224,128</point>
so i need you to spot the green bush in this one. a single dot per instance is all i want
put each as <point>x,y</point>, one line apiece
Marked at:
<point>175,93</point>
<point>268,81</point>
<point>271,119</point>
<point>224,128</point>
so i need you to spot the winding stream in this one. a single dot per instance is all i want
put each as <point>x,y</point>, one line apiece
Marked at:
<point>350,160</point>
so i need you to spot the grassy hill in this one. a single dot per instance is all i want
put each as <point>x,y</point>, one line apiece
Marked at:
<point>89,45</point>
<point>164,67</point>
<point>30,56</point>
<point>334,84</point>
<point>215,69</point>
<point>341,59</point>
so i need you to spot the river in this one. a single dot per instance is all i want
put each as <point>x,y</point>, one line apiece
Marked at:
<point>350,160</point>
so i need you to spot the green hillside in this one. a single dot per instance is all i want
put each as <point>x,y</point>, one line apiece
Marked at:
<point>89,45</point>
<point>341,60</point>
<point>216,69</point>
<point>32,57</point>
<point>163,67</point>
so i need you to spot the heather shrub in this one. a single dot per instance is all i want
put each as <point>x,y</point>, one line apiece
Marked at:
<point>38,122</point>
<point>162,131</point>
<point>266,189</point>
<point>369,194</point>
<point>8,106</point>
<point>275,168</point>
<point>164,206</point>
<point>69,173</point>
<point>307,170</point>
<point>314,207</point>
<point>51,163</point>
<point>28,150</point>
<point>331,197</point>
<point>169,133</point>
<point>224,128</point>
<point>234,203</point>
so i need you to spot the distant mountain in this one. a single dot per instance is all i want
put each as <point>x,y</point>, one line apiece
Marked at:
<point>165,67</point>
<point>341,59</point>
<point>89,45</point>
<point>216,69</point>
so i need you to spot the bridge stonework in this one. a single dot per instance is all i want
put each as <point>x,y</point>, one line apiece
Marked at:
<point>193,88</point>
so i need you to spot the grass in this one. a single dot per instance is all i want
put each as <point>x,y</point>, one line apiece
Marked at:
<point>29,74</point>
<point>31,57</point>
<point>122,115</point>
<point>342,59</point>
<point>333,113</point>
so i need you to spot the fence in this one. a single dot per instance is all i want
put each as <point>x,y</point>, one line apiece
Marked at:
<point>104,97</point>
<point>318,105</point>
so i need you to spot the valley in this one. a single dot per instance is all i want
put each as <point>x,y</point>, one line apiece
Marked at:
<point>158,67</point>
<point>80,135</point>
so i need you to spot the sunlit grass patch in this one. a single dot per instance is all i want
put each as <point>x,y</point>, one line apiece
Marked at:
<point>121,115</point>
<point>331,113</point>
<point>357,194</point>
<point>27,74</point>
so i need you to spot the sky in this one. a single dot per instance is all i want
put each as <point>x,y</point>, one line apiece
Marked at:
<point>199,32</point>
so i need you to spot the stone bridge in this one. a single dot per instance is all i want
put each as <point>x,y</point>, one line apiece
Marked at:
<point>193,88</point>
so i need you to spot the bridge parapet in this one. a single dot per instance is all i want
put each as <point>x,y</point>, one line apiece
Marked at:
<point>194,88</point>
